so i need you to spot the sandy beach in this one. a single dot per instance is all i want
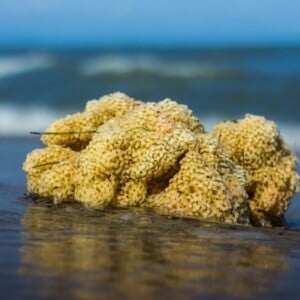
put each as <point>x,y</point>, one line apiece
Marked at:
<point>58,252</point>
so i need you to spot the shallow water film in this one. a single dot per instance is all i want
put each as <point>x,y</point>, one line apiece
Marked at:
<point>68,252</point>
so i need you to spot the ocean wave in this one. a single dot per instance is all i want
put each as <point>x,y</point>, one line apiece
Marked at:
<point>153,65</point>
<point>19,121</point>
<point>21,63</point>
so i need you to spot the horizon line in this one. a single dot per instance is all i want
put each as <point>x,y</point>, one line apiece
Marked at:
<point>175,47</point>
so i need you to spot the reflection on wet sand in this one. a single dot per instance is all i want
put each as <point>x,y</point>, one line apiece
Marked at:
<point>133,254</point>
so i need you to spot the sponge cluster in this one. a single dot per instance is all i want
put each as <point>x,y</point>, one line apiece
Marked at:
<point>255,144</point>
<point>124,152</point>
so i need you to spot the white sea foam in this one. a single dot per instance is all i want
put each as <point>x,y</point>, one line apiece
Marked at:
<point>17,121</point>
<point>126,64</point>
<point>21,63</point>
<point>290,133</point>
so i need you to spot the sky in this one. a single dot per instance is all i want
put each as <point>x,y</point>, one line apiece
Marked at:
<point>154,23</point>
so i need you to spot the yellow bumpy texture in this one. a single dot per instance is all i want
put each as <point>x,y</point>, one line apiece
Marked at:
<point>50,172</point>
<point>123,152</point>
<point>75,131</point>
<point>255,144</point>
<point>206,186</point>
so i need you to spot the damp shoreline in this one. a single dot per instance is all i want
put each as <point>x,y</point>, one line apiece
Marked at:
<point>67,251</point>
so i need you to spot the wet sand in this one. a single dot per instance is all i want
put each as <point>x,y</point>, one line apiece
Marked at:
<point>59,252</point>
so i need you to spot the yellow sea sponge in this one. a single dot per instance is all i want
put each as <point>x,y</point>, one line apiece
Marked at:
<point>58,182</point>
<point>216,157</point>
<point>123,152</point>
<point>252,142</point>
<point>255,144</point>
<point>94,191</point>
<point>75,131</point>
<point>178,113</point>
<point>113,105</point>
<point>198,190</point>
<point>43,160</point>
<point>158,153</point>
<point>105,153</point>
<point>271,190</point>
<point>162,117</point>
<point>130,193</point>
<point>133,149</point>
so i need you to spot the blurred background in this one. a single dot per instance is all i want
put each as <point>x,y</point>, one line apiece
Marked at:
<point>221,58</point>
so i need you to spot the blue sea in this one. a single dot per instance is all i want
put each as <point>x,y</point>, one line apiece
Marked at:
<point>37,87</point>
<point>68,252</point>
